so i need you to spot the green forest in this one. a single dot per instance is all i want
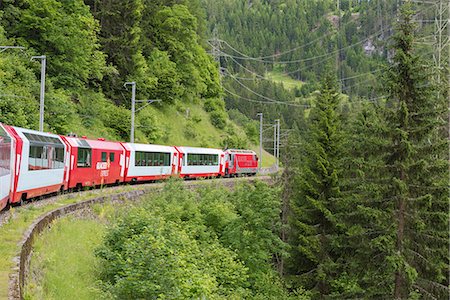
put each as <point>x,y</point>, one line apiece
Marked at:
<point>360,208</point>
<point>92,49</point>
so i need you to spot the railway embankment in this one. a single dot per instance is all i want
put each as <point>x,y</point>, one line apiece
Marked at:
<point>21,226</point>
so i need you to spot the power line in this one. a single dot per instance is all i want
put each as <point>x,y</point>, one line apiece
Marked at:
<point>263,102</point>
<point>290,50</point>
<point>261,58</point>
<point>4,48</point>
<point>288,73</point>
<point>248,70</point>
<point>362,74</point>
<point>262,96</point>
<point>14,96</point>
<point>293,61</point>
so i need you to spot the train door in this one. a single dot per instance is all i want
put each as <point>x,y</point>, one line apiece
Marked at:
<point>175,163</point>
<point>222,164</point>
<point>231,164</point>
<point>6,166</point>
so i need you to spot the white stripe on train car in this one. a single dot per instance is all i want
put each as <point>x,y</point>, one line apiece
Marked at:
<point>17,164</point>
<point>122,165</point>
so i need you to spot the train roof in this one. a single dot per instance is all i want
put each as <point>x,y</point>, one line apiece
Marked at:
<point>38,136</point>
<point>199,150</point>
<point>148,147</point>
<point>241,151</point>
<point>95,144</point>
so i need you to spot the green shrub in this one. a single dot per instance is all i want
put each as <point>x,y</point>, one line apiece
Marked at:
<point>149,125</point>
<point>252,132</point>
<point>60,111</point>
<point>196,119</point>
<point>235,142</point>
<point>159,251</point>
<point>218,119</point>
<point>118,119</point>
<point>205,244</point>
<point>189,130</point>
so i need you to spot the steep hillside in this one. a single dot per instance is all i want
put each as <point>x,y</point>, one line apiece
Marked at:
<point>93,48</point>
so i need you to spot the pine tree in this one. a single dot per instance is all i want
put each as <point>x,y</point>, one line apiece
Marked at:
<point>418,166</point>
<point>313,221</point>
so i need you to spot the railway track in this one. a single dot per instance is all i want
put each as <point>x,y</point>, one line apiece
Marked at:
<point>5,214</point>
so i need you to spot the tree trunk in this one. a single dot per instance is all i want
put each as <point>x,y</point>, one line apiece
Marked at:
<point>399,279</point>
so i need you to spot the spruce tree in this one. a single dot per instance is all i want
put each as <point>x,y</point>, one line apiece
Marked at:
<point>364,267</point>
<point>313,222</point>
<point>418,168</point>
<point>394,196</point>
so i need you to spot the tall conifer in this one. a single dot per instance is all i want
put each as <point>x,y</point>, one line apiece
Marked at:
<point>313,221</point>
<point>418,168</point>
<point>364,267</point>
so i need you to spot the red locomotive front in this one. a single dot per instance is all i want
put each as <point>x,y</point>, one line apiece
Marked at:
<point>240,162</point>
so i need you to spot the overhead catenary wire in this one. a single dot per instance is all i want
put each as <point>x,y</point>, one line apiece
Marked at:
<point>244,56</point>
<point>258,76</point>
<point>263,102</point>
<point>237,79</point>
<point>248,70</point>
<point>224,54</point>
<point>14,96</point>
<point>295,48</point>
<point>292,61</point>
<point>272,101</point>
<point>264,97</point>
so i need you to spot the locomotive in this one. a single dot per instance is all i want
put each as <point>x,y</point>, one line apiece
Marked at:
<point>34,163</point>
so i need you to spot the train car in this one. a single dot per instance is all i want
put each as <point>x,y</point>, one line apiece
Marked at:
<point>40,164</point>
<point>240,162</point>
<point>94,162</point>
<point>34,163</point>
<point>201,162</point>
<point>6,166</point>
<point>150,162</point>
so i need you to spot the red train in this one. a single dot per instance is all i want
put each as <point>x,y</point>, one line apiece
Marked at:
<point>34,163</point>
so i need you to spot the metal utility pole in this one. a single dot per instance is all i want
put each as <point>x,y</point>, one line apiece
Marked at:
<point>4,48</point>
<point>448,79</point>
<point>260,138</point>
<point>215,43</point>
<point>275,139</point>
<point>339,52</point>
<point>440,40</point>
<point>278,144</point>
<point>43,59</point>
<point>133,107</point>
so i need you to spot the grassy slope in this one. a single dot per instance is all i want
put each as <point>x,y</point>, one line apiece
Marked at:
<point>288,82</point>
<point>63,261</point>
<point>11,232</point>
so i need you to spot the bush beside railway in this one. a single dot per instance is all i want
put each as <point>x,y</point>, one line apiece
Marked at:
<point>180,243</point>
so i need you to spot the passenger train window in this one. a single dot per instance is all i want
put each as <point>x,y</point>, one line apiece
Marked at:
<point>104,156</point>
<point>111,156</point>
<point>45,157</point>
<point>84,158</point>
<point>5,153</point>
<point>58,158</point>
<point>45,152</point>
<point>194,159</point>
<point>151,159</point>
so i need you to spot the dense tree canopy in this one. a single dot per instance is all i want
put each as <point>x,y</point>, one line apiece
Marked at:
<point>93,48</point>
<point>213,244</point>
